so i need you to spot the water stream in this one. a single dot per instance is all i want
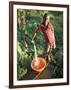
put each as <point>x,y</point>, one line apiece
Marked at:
<point>35,54</point>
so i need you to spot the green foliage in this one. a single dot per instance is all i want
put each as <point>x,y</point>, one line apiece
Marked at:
<point>57,63</point>
<point>21,72</point>
<point>25,49</point>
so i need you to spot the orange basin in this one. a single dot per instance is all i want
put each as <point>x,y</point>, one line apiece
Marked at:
<point>40,66</point>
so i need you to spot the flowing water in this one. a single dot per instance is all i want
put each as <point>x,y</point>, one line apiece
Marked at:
<point>35,54</point>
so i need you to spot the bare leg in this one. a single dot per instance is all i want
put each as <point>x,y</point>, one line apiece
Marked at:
<point>49,55</point>
<point>49,52</point>
<point>54,45</point>
<point>48,49</point>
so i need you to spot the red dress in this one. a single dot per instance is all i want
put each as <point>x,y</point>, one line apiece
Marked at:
<point>48,33</point>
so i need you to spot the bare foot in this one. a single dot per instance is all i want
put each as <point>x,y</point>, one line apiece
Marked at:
<point>48,58</point>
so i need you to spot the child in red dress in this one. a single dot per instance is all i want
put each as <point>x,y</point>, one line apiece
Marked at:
<point>48,31</point>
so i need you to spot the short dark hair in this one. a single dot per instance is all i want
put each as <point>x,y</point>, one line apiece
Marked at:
<point>45,15</point>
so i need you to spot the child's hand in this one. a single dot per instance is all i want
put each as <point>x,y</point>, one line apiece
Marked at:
<point>32,41</point>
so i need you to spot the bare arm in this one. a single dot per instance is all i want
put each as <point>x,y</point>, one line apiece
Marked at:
<point>34,36</point>
<point>52,28</point>
<point>38,30</point>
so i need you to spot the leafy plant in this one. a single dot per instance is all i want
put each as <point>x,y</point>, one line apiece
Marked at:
<point>29,21</point>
